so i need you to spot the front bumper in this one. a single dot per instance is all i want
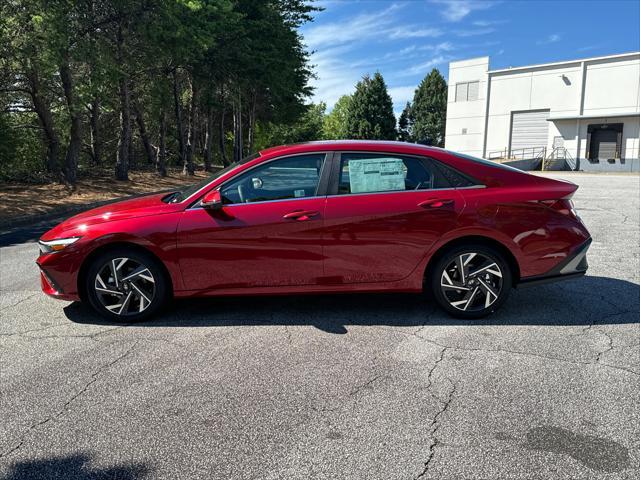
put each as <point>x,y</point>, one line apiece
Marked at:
<point>58,275</point>
<point>575,265</point>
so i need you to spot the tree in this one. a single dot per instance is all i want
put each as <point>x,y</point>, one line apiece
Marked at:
<point>100,83</point>
<point>334,126</point>
<point>371,112</point>
<point>308,128</point>
<point>429,110</point>
<point>405,124</point>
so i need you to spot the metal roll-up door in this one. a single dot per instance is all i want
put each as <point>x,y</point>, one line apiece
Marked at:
<point>529,129</point>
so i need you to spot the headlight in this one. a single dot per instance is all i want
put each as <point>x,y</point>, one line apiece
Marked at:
<point>52,246</point>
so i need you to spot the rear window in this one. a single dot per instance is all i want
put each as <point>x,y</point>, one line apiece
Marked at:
<point>488,163</point>
<point>455,178</point>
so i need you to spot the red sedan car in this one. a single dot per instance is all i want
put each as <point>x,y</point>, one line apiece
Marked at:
<point>344,216</point>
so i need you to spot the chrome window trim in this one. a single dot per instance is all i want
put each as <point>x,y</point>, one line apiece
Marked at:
<point>406,191</point>
<point>197,205</point>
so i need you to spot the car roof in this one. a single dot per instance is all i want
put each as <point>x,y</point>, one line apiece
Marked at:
<point>375,145</point>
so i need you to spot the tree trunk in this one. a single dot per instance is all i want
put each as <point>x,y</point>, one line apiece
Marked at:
<point>70,169</point>
<point>124,140</point>
<point>237,129</point>
<point>43,110</point>
<point>221,139</point>
<point>179,124</point>
<point>161,159</point>
<point>208,140</point>
<point>148,149</point>
<point>188,167</point>
<point>94,121</point>
<point>252,124</point>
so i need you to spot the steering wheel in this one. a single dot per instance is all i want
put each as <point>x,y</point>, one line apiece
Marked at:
<point>241,193</point>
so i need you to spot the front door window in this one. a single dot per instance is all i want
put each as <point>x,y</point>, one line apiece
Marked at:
<point>286,178</point>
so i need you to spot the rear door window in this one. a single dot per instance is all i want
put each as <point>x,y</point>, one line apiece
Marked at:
<point>375,173</point>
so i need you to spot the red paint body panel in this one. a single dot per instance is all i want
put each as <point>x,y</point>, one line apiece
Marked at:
<point>360,242</point>
<point>383,237</point>
<point>251,245</point>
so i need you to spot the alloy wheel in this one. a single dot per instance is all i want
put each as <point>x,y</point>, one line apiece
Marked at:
<point>471,282</point>
<point>125,286</point>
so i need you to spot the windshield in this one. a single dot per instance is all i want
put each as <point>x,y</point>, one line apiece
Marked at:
<point>188,190</point>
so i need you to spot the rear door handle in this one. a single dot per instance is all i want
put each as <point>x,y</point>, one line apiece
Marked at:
<point>301,215</point>
<point>436,203</point>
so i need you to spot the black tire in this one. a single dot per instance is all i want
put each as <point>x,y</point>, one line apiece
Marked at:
<point>477,287</point>
<point>150,282</point>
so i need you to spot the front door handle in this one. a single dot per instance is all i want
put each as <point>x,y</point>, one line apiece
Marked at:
<point>301,215</point>
<point>436,203</point>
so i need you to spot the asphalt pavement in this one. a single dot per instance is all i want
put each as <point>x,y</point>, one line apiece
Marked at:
<point>333,387</point>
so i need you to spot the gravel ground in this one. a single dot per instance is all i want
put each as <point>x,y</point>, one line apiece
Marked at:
<point>327,387</point>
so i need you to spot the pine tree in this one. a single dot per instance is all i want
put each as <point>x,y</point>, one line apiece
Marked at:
<point>370,114</point>
<point>429,110</point>
<point>405,124</point>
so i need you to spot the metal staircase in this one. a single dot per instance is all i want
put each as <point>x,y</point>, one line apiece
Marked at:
<point>558,159</point>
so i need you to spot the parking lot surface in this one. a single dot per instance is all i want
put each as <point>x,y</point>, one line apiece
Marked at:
<point>328,387</point>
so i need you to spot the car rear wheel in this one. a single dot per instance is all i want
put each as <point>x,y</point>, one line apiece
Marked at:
<point>471,281</point>
<point>126,285</point>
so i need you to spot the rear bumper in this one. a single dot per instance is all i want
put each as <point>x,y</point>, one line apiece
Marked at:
<point>574,266</point>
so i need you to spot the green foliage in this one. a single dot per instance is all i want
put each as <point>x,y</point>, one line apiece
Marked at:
<point>335,123</point>
<point>188,70</point>
<point>429,110</point>
<point>308,128</point>
<point>20,149</point>
<point>83,84</point>
<point>405,124</point>
<point>371,112</point>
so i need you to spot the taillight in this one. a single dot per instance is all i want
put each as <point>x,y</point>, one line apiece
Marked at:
<point>563,206</point>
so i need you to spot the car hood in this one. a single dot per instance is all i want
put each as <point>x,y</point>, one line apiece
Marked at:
<point>122,210</point>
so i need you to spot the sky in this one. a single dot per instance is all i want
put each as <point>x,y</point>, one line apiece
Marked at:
<point>404,40</point>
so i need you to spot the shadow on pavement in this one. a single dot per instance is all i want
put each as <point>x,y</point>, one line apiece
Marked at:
<point>25,234</point>
<point>73,467</point>
<point>584,301</point>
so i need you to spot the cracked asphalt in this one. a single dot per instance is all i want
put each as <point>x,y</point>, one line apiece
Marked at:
<point>333,387</point>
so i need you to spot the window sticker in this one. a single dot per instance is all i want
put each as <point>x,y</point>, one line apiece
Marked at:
<point>376,175</point>
<point>298,193</point>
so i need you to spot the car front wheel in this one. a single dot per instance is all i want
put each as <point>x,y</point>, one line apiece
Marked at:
<point>471,282</point>
<point>126,285</point>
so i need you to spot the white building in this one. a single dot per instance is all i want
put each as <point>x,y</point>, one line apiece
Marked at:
<point>587,110</point>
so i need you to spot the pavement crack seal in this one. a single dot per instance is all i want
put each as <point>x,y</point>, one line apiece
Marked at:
<point>609,346</point>
<point>365,385</point>
<point>24,333</point>
<point>435,422</point>
<point>19,302</point>
<point>66,405</point>
<point>533,355</point>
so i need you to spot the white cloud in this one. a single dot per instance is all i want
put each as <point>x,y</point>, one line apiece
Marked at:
<point>440,47</point>
<point>359,28</point>
<point>421,68</point>
<point>456,10</point>
<point>417,33</point>
<point>474,33</point>
<point>402,95</point>
<point>553,38</point>
<point>335,76</point>
<point>488,23</point>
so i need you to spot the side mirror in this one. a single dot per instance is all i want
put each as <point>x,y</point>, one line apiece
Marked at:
<point>212,200</point>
